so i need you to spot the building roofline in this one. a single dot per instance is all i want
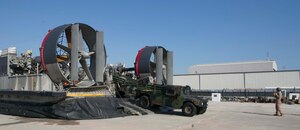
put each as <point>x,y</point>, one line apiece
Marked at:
<point>234,63</point>
<point>239,72</point>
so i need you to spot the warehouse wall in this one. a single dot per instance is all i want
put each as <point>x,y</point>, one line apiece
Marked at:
<point>224,80</point>
<point>240,80</point>
<point>191,80</point>
<point>272,79</point>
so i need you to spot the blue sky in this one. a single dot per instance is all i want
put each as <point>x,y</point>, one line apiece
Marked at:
<point>199,32</point>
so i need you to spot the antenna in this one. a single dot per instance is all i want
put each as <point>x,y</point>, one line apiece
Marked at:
<point>268,56</point>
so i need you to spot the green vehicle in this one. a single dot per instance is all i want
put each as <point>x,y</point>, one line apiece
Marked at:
<point>149,95</point>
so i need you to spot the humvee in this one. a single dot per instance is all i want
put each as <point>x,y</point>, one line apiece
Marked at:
<point>174,96</point>
<point>149,95</point>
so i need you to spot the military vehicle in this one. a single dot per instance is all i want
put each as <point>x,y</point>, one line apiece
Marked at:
<point>150,95</point>
<point>151,83</point>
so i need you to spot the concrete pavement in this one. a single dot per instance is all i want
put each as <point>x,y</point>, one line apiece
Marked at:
<point>220,115</point>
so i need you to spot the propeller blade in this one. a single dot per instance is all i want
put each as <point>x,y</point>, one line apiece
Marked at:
<point>68,50</point>
<point>65,68</point>
<point>86,69</point>
<point>91,53</point>
<point>68,37</point>
<point>152,65</point>
<point>86,54</point>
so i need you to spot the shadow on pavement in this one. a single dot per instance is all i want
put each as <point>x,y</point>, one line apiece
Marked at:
<point>293,114</point>
<point>263,114</point>
<point>169,113</point>
<point>166,111</point>
<point>22,120</point>
<point>269,114</point>
<point>13,123</point>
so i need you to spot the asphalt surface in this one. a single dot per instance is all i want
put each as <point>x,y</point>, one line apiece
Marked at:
<point>220,115</point>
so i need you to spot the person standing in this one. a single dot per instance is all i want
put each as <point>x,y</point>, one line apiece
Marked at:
<point>278,96</point>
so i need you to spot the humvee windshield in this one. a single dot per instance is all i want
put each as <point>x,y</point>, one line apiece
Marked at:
<point>187,90</point>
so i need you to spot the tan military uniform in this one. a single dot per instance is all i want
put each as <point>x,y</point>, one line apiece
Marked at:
<point>278,96</point>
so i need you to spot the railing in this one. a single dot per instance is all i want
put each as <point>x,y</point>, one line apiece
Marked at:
<point>253,95</point>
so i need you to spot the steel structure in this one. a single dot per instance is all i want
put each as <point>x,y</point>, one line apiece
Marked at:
<point>155,61</point>
<point>74,54</point>
<point>73,60</point>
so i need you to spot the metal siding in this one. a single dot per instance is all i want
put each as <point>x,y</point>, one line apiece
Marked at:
<point>32,82</point>
<point>3,82</point>
<point>191,80</point>
<point>272,79</point>
<point>237,80</point>
<point>235,67</point>
<point>46,84</point>
<point>220,81</point>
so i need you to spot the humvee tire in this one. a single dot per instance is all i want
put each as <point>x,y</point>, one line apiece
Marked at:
<point>144,102</point>
<point>201,110</point>
<point>189,109</point>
